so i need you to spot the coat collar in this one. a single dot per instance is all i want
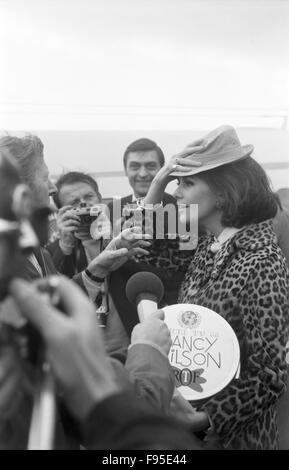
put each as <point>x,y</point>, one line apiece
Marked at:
<point>224,236</point>
<point>251,238</point>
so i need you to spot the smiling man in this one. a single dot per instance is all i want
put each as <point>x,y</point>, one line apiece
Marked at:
<point>142,159</point>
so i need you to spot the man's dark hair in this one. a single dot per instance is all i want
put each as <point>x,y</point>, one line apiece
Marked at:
<point>247,197</point>
<point>71,178</point>
<point>144,145</point>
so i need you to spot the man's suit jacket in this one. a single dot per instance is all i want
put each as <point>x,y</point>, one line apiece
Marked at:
<point>71,264</point>
<point>30,272</point>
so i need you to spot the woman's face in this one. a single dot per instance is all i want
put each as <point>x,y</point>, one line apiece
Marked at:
<point>193,190</point>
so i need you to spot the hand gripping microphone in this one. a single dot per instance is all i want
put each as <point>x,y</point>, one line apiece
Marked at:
<point>145,289</point>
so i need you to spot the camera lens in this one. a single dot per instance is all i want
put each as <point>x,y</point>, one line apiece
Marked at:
<point>86,219</point>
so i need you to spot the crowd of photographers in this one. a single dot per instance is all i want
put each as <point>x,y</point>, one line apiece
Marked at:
<point>130,389</point>
<point>115,386</point>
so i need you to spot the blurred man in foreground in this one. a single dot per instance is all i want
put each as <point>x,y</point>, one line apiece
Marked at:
<point>134,380</point>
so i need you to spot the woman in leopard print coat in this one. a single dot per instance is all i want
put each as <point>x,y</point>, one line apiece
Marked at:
<point>243,277</point>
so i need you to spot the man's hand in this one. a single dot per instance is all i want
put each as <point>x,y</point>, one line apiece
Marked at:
<point>126,245</point>
<point>74,344</point>
<point>200,421</point>
<point>153,330</point>
<point>67,223</point>
<point>183,411</point>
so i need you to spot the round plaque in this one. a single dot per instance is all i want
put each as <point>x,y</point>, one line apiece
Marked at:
<point>205,352</point>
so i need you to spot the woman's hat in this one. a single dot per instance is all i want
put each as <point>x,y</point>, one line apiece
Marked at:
<point>219,147</point>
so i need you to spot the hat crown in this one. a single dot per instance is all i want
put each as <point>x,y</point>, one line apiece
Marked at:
<point>221,139</point>
<point>219,147</point>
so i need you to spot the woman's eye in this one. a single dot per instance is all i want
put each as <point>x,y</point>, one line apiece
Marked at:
<point>188,183</point>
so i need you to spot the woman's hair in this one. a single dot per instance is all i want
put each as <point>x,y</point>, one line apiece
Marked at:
<point>71,178</point>
<point>245,193</point>
<point>27,151</point>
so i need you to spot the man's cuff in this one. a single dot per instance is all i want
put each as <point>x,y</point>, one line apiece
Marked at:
<point>93,277</point>
<point>211,426</point>
<point>91,286</point>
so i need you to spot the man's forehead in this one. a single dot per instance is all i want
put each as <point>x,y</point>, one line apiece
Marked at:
<point>73,189</point>
<point>143,156</point>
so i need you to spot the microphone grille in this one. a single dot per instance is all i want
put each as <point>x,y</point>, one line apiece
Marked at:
<point>144,282</point>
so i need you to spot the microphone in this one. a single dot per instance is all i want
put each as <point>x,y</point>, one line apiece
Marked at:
<point>145,289</point>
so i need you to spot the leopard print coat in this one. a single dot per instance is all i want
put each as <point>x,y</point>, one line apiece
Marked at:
<point>247,282</point>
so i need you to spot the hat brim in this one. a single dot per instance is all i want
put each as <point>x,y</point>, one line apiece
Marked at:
<point>245,151</point>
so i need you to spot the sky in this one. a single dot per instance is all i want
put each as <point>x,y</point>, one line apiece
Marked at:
<point>143,65</point>
<point>208,55</point>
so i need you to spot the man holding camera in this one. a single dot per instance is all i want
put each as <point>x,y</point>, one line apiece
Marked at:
<point>77,250</point>
<point>75,247</point>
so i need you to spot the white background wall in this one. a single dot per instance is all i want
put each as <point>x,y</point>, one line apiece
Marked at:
<point>101,152</point>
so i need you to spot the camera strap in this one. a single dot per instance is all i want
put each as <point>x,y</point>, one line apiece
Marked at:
<point>102,306</point>
<point>34,261</point>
